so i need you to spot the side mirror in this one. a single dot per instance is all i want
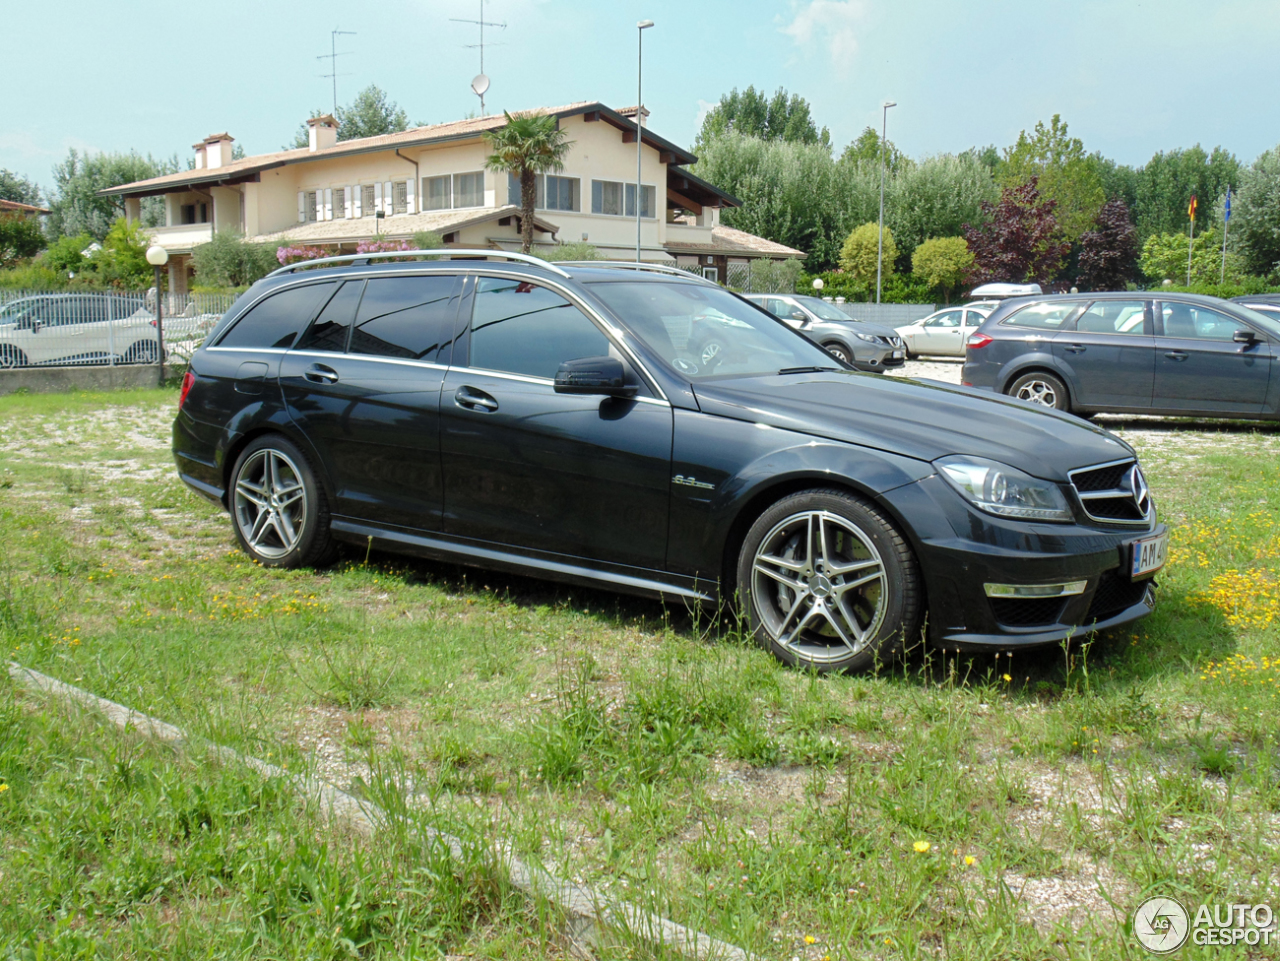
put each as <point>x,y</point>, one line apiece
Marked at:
<point>799,315</point>
<point>594,375</point>
<point>1244,337</point>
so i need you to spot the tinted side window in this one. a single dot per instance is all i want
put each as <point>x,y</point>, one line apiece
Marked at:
<point>1049,316</point>
<point>275,322</point>
<point>1197,323</point>
<point>950,318</point>
<point>522,328</point>
<point>1113,317</point>
<point>329,332</point>
<point>406,317</point>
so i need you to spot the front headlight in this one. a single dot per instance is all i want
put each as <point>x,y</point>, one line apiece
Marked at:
<point>999,489</point>
<point>869,338</point>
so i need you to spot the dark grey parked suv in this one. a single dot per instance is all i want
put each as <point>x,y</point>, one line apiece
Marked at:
<point>1130,352</point>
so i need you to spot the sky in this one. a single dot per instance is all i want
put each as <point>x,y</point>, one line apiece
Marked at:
<point>1129,77</point>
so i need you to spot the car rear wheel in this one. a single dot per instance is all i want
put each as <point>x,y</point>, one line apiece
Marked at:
<point>11,357</point>
<point>1041,389</point>
<point>278,510</point>
<point>143,352</point>
<point>827,583</point>
<point>839,351</point>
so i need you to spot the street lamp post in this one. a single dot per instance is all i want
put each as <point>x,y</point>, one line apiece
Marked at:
<point>884,130</point>
<point>157,257</point>
<point>641,27</point>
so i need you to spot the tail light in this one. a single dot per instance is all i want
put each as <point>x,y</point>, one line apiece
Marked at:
<point>187,380</point>
<point>979,340</point>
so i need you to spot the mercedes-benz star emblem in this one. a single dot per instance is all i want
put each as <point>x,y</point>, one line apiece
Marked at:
<point>1137,486</point>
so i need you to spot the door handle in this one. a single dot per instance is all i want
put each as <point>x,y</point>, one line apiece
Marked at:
<point>472,399</point>
<point>1076,349</point>
<point>320,374</point>
<point>1178,355</point>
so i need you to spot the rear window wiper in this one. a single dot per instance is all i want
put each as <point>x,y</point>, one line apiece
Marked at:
<point>807,370</point>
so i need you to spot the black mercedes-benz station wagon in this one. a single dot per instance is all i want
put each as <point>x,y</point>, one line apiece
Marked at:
<point>551,420</point>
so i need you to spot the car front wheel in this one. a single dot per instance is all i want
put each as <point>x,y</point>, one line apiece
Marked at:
<point>278,510</point>
<point>1041,389</point>
<point>11,358</point>
<point>840,352</point>
<point>827,583</point>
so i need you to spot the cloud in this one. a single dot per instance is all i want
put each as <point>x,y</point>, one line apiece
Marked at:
<point>830,23</point>
<point>705,107</point>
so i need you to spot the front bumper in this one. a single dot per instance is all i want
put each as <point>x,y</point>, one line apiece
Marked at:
<point>962,549</point>
<point>874,357</point>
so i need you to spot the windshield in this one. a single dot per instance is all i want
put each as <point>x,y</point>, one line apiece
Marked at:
<point>14,311</point>
<point>1267,322</point>
<point>703,331</point>
<point>824,310</point>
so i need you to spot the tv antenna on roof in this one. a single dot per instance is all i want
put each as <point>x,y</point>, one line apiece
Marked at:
<point>332,56</point>
<point>481,82</point>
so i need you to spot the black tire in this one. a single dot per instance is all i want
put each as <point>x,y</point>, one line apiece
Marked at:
<point>12,358</point>
<point>1042,390</point>
<point>839,351</point>
<point>887,609</point>
<point>290,535</point>
<point>142,352</point>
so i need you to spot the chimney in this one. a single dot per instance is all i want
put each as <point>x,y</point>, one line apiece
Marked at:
<point>217,150</point>
<point>630,113</point>
<point>322,132</point>
<point>200,164</point>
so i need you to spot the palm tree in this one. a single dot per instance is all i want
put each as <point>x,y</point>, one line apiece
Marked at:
<point>529,144</point>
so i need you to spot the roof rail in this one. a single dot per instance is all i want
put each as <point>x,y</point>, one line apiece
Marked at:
<point>449,252</point>
<point>633,265</point>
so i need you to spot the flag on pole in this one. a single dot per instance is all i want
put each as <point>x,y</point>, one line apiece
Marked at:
<point>1226,210</point>
<point>1191,209</point>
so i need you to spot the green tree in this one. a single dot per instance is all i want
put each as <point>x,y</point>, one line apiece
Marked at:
<point>77,207</point>
<point>942,263</point>
<point>65,254</point>
<point>1063,172</point>
<point>20,238</point>
<point>527,145</point>
<point>1164,257</point>
<point>861,250</point>
<point>427,240</point>
<point>751,113</point>
<point>866,150</point>
<point>936,198</point>
<point>573,250</point>
<point>791,193</point>
<point>1163,187</point>
<point>18,188</point>
<point>370,114</point>
<point>1255,214</point>
<point>229,261</point>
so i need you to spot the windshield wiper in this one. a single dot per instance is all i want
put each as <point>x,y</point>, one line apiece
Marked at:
<point>806,370</point>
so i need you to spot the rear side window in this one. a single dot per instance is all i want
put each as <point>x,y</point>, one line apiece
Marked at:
<point>329,332</point>
<point>522,328</point>
<point>1114,317</point>
<point>1050,316</point>
<point>275,322</point>
<point>410,317</point>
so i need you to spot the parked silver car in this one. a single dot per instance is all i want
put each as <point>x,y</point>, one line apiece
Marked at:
<point>76,329</point>
<point>865,346</point>
<point>944,332</point>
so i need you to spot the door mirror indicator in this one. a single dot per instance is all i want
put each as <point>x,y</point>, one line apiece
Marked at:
<point>594,375</point>
<point>1244,337</point>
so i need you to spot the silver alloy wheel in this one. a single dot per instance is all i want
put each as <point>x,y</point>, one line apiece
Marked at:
<point>270,503</point>
<point>709,352</point>
<point>819,586</point>
<point>9,360</point>
<point>1038,392</point>
<point>838,352</point>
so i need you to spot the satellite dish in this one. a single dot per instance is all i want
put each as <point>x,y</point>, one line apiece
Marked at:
<point>480,84</point>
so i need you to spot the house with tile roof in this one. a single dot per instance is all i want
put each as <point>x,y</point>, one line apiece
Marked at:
<point>341,192</point>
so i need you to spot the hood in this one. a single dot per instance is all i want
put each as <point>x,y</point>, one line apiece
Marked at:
<point>862,327</point>
<point>921,419</point>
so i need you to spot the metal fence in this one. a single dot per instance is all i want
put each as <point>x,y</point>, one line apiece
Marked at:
<point>56,328</point>
<point>890,315</point>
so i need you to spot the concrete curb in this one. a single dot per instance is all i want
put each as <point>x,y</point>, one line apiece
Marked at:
<point>590,918</point>
<point>42,380</point>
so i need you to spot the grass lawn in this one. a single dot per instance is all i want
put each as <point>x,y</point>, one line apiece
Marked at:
<point>1010,807</point>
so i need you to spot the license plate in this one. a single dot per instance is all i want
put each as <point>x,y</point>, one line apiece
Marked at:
<point>1149,555</point>
<point>897,355</point>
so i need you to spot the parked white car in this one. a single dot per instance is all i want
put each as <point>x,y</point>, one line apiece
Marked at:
<point>944,332</point>
<point>51,329</point>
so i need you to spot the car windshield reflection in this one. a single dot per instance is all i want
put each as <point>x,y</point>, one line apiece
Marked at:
<point>703,331</point>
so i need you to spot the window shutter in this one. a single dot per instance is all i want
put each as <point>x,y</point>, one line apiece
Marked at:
<point>387,208</point>
<point>408,186</point>
<point>355,202</point>
<point>346,202</point>
<point>328,203</point>
<point>302,208</point>
<point>377,197</point>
